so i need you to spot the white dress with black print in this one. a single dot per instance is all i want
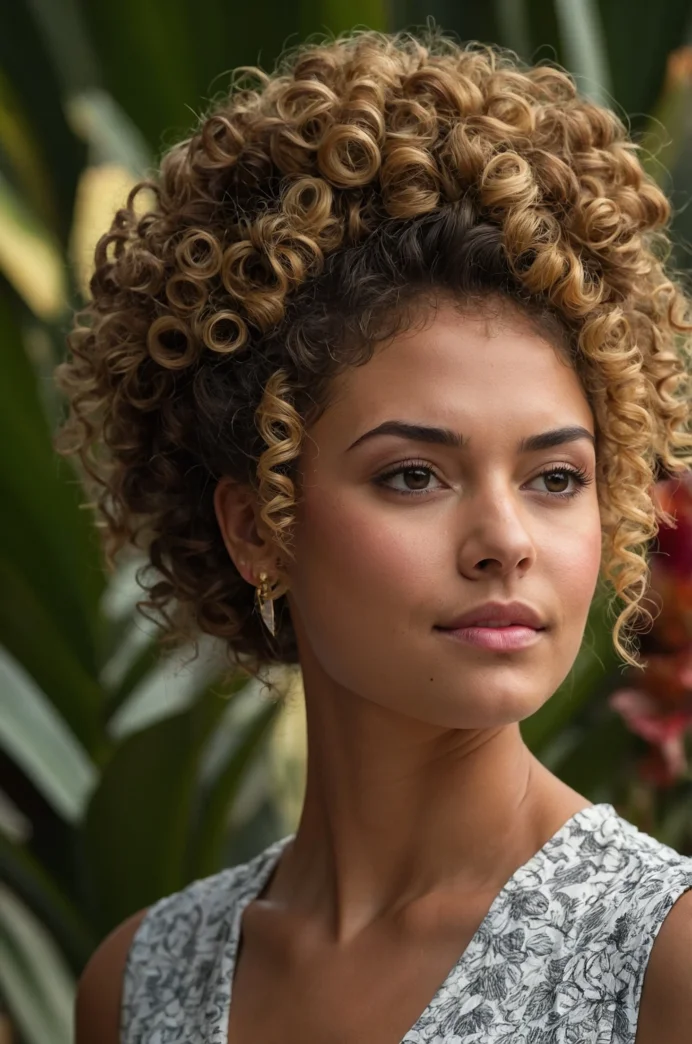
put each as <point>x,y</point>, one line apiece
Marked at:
<point>558,959</point>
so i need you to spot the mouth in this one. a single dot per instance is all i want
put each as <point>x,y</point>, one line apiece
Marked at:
<point>495,637</point>
<point>497,626</point>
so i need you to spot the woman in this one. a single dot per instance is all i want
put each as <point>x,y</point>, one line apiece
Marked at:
<point>382,380</point>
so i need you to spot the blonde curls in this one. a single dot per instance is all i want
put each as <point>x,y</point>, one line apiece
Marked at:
<point>295,227</point>
<point>281,428</point>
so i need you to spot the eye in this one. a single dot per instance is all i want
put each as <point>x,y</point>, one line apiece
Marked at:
<point>417,477</point>
<point>563,481</point>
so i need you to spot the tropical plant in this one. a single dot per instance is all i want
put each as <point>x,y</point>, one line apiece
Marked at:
<point>126,772</point>
<point>656,704</point>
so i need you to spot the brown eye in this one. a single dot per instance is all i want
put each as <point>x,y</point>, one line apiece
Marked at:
<point>557,481</point>
<point>421,477</point>
<point>416,479</point>
<point>562,483</point>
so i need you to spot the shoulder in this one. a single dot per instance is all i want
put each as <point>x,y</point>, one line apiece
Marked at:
<point>665,1011</point>
<point>632,924</point>
<point>99,992</point>
<point>113,978</point>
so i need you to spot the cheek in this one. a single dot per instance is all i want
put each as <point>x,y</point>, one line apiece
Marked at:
<point>351,549</point>
<point>573,566</point>
<point>363,589</point>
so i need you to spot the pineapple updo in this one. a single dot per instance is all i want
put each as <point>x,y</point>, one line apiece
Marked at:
<point>295,229</point>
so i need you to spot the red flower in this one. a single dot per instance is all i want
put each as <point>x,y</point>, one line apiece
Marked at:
<point>658,704</point>
<point>675,542</point>
<point>665,731</point>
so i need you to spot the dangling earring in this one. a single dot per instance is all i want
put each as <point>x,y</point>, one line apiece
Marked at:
<point>265,604</point>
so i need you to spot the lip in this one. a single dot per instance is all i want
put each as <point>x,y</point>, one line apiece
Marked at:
<point>496,639</point>
<point>505,614</point>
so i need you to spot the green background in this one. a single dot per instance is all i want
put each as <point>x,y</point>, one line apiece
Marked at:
<point>123,773</point>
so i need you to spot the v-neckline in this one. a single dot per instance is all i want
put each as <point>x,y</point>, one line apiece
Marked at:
<point>269,858</point>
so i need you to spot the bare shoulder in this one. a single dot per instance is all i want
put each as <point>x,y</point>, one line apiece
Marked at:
<point>665,1011</point>
<point>99,992</point>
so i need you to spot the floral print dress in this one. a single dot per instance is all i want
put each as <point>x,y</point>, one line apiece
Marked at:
<point>558,959</point>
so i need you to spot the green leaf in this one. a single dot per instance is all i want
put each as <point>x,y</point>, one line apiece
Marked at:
<point>123,625</point>
<point>169,685</point>
<point>163,80</point>
<point>584,47</point>
<point>145,665</point>
<point>30,257</point>
<point>544,31</point>
<point>43,531</point>
<point>665,138</point>
<point>131,647</point>
<point>468,21</point>
<point>37,889</point>
<point>211,825</point>
<point>38,92</point>
<point>111,134</point>
<point>340,15</point>
<point>137,825</point>
<point>513,26</point>
<point>21,158</point>
<point>151,73</point>
<point>653,31</point>
<point>37,739</point>
<point>66,41</point>
<point>51,662</point>
<point>594,763</point>
<point>34,979</point>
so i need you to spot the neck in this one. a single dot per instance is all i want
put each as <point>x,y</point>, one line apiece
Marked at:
<point>397,811</point>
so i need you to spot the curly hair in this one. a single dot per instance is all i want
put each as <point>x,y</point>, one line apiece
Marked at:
<point>295,230</point>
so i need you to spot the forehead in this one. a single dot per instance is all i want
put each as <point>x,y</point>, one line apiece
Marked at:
<point>463,368</point>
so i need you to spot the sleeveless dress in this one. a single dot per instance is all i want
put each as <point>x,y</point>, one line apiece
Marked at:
<point>558,959</point>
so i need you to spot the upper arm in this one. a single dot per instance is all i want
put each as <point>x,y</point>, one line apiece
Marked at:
<point>99,991</point>
<point>665,1010</point>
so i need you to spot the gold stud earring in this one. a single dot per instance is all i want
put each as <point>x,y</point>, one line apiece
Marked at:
<point>265,603</point>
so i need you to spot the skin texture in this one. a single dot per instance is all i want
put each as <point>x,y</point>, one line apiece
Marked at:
<point>421,797</point>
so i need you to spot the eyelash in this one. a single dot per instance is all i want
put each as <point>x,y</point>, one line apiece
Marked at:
<point>580,476</point>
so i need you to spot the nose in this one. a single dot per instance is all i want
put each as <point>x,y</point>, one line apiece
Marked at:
<point>495,536</point>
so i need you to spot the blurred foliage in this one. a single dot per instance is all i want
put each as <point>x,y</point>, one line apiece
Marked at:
<point>657,704</point>
<point>125,773</point>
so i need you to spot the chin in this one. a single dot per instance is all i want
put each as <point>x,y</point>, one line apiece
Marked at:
<point>490,704</point>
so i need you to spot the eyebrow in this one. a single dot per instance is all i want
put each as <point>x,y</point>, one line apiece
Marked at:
<point>446,437</point>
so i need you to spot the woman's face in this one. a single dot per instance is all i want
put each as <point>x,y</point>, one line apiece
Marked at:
<point>385,556</point>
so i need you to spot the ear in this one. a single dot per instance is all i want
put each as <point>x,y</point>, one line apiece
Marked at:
<point>246,536</point>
